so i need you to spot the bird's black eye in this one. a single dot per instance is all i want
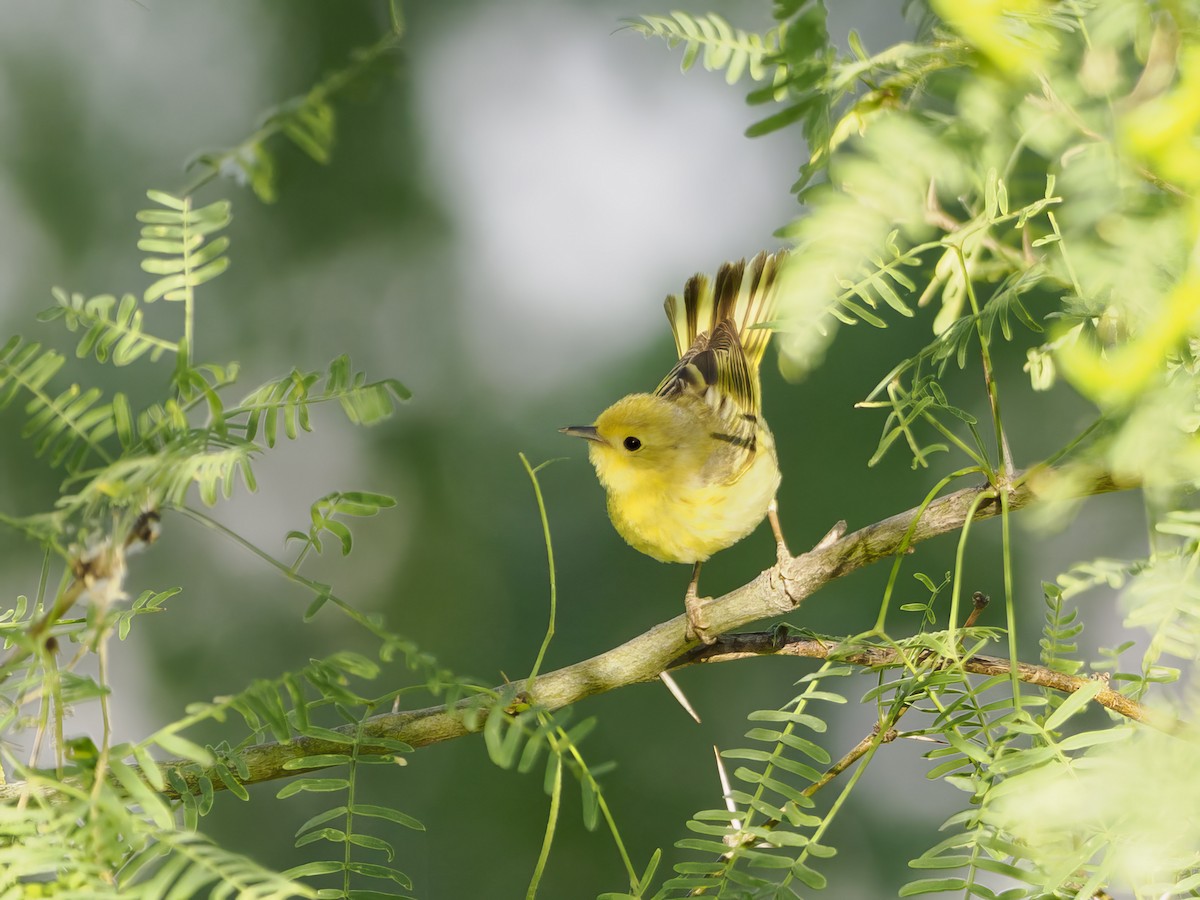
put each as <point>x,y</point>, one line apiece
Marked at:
<point>631,443</point>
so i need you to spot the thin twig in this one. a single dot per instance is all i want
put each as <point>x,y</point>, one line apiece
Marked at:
<point>742,646</point>
<point>855,753</point>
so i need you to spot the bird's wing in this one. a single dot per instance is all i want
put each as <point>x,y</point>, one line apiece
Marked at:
<point>719,349</point>
<point>715,367</point>
<point>715,370</point>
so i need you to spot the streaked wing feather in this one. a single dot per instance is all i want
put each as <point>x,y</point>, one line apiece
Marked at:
<point>691,313</point>
<point>720,351</point>
<point>715,369</point>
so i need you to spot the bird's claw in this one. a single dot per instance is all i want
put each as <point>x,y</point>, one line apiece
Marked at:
<point>779,574</point>
<point>697,627</point>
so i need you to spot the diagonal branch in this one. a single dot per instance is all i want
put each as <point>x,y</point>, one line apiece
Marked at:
<point>778,590</point>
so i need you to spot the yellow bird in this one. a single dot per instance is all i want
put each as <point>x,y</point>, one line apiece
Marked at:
<point>691,468</point>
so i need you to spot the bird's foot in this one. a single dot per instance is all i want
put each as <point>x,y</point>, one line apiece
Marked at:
<point>697,627</point>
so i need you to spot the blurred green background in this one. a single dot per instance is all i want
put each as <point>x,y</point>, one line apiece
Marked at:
<point>501,219</point>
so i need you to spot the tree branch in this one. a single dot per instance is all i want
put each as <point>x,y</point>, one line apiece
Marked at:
<point>778,590</point>
<point>742,646</point>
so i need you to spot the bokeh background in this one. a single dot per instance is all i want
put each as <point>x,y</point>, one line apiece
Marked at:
<point>501,219</point>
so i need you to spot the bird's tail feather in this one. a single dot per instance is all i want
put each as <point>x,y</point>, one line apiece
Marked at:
<point>742,293</point>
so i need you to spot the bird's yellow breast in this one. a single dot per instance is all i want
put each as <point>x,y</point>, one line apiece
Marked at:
<point>686,512</point>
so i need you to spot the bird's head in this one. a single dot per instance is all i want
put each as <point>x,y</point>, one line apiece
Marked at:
<point>641,438</point>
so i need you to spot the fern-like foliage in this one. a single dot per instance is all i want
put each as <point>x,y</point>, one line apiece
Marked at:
<point>124,819</point>
<point>287,401</point>
<point>129,846</point>
<point>180,238</point>
<point>720,46</point>
<point>351,814</point>
<point>307,120</point>
<point>196,460</point>
<point>325,513</point>
<point>69,427</point>
<point>155,456</point>
<point>186,864</point>
<point>108,333</point>
<point>792,59</point>
<point>1059,633</point>
<point>876,286</point>
<point>517,736</point>
<point>765,843</point>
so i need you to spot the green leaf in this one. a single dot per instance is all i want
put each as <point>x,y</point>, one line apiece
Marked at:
<point>313,784</point>
<point>162,287</point>
<point>591,803</point>
<point>207,794</point>
<point>969,748</point>
<point>1091,738</point>
<point>932,886</point>
<point>787,116</point>
<point>308,870</point>
<point>318,761</point>
<point>372,843</point>
<point>151,803</point>
<point>1074,704</point>
<point>336,737</point>
<point>372,870</point>
<point>182,747</point>
<point>502,738</point>
<point>809,876</point>
<point>333,835</point>
<point>231,781</point>
<point>781,715</point>
<point>150,769</point>
<point>702,845</point>
<point>392,815</point>
<point>168,200</point>
<point>321,818</point>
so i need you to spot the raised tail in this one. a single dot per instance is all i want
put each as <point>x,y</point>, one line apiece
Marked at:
<point>743,294</point>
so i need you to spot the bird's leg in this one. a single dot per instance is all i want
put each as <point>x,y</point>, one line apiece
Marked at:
<point>781,547</point>
<point>697,629</point>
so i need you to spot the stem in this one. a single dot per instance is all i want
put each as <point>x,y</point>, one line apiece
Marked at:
<point>187,347</point>
<point>1010,607</point>
<point>819,831</point>
<point>317,588</point>
<point>537,491</point>
<point>43,580</point>
<point>879,735</point>
<point>1068,448</point>
<point>1062,249</point>
<point>350,778</point>
<point>605,811</point>
<point>800,703</point>
<point>1006,462</point>
<point>956,588</point>
<point>904,544</point>
<point>551,823</point>
<point>321,93</point>
<point>47,700</point>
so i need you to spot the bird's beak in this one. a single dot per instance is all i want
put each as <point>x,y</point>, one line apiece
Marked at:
<point>587,432</point>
